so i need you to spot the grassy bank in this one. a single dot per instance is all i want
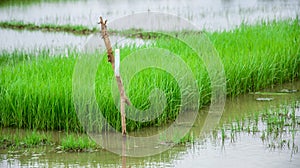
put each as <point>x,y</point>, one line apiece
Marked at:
<point>67,28</point>
<point>75,29</point>
<point>6,3</point>
<point>36,91</point>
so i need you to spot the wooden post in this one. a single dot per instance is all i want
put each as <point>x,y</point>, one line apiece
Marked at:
<point>111,59</point>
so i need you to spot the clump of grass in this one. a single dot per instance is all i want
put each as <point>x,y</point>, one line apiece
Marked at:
<point>32,139</point>
<point>36,138</point>
<point>188,138</point>
<point>77,143</point>
<point>36,91</point>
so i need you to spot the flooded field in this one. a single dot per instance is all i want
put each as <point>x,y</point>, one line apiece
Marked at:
<point>248,149</point>
<point>244,137</point>
<point>57,43</point>
<point>12,40</point>
<point>211,15</point>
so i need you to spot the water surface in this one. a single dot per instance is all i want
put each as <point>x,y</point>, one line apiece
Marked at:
<point>247,150</point>
<point>211,15</point>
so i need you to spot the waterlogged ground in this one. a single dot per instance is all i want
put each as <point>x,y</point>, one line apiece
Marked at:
<point>244,148</point>
<point>238,149</point>
<point>212,15</point>
<point>57,42</point>
<point>12,40</point>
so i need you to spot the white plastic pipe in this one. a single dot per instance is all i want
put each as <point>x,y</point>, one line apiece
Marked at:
<point>117,62</point>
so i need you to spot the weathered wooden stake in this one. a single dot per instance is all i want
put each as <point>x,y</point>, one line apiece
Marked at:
<point>111,59</point>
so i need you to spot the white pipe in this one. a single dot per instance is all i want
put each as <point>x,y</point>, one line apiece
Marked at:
<point>117,62</point>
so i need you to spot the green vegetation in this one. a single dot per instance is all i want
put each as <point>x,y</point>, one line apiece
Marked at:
<point>276,127</point>
<point>79,29</point>
<point>5,3</point>
<point>259,56</point>
<point>32,139</point>
<point>36,91</point>
<point>77,143</point>
<point>75,29</point>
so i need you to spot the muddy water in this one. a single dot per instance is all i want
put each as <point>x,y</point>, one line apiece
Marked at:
<point>211,15</point>
<point>247,150</point>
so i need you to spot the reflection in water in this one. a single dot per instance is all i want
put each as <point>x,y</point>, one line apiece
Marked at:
<point>247,148</point>
<point>211,15</point>
<point>124,152</point>
<point>34,41</point>
<point>57,43</point>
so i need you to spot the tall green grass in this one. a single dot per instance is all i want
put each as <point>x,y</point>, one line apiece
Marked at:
<point>36,91</point>
<point>259,56</point>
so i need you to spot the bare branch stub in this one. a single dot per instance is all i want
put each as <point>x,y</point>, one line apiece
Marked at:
<point>111,59</point>
<point>104,35</point>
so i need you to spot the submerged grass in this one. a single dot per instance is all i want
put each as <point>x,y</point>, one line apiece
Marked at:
<point>36,91</point>
<point>276,127</point>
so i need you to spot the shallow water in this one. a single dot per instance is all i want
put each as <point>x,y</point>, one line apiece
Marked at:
<point>12,40</point>
<point>57,42</point>
<point>247,150</point>
<point>211,15</point>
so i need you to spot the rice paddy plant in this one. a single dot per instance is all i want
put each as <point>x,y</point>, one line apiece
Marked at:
<point>223,134</point>
<point>257,56</point>
<point>31,139</point>
<point>276,126</point>
<point>35,139</point>
<point>37,94</point>
<point>176,139</point>
<point>36,90</point>
<point>77,143</point>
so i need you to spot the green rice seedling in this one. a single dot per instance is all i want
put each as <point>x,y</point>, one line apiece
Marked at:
<point>77,143</point>
<point>189,137</point>
<point>232,136</point>
<point>238,124</point>
<point>223,134</point>
<point>233,127</point>
<point>35,138</point>
<point>29,139</point>
<point>256,74</point>
<point>263,136</point>
<point>36,91</point>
